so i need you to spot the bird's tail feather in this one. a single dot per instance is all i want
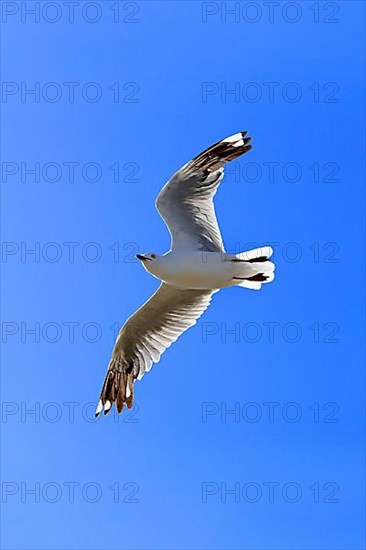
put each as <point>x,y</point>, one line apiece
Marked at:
<point>261,269</point>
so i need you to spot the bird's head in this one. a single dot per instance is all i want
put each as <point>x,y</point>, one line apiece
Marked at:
<point>150,262</point>
<point>146,258</point>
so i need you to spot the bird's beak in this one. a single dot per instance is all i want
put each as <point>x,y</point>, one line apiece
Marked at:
<point>140,257</point>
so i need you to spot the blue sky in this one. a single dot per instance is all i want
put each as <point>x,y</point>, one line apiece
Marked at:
<point>124,93</point>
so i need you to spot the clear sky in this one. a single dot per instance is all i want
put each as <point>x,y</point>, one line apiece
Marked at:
<point>249,432</point>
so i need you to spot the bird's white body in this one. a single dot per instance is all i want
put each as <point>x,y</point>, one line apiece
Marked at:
<point>200,270</point>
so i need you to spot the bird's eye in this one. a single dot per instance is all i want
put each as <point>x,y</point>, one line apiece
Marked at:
<point>153,256</point>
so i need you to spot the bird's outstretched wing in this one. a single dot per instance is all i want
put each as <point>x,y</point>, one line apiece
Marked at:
<point>145,336</point>
<point>186,201</point>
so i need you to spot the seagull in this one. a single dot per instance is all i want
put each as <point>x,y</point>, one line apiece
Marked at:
<point>195,267</point>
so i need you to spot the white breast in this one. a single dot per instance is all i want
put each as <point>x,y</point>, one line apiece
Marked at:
<point>196,270</point>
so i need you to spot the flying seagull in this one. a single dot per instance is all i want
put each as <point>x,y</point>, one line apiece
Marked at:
<point>194,269</point>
